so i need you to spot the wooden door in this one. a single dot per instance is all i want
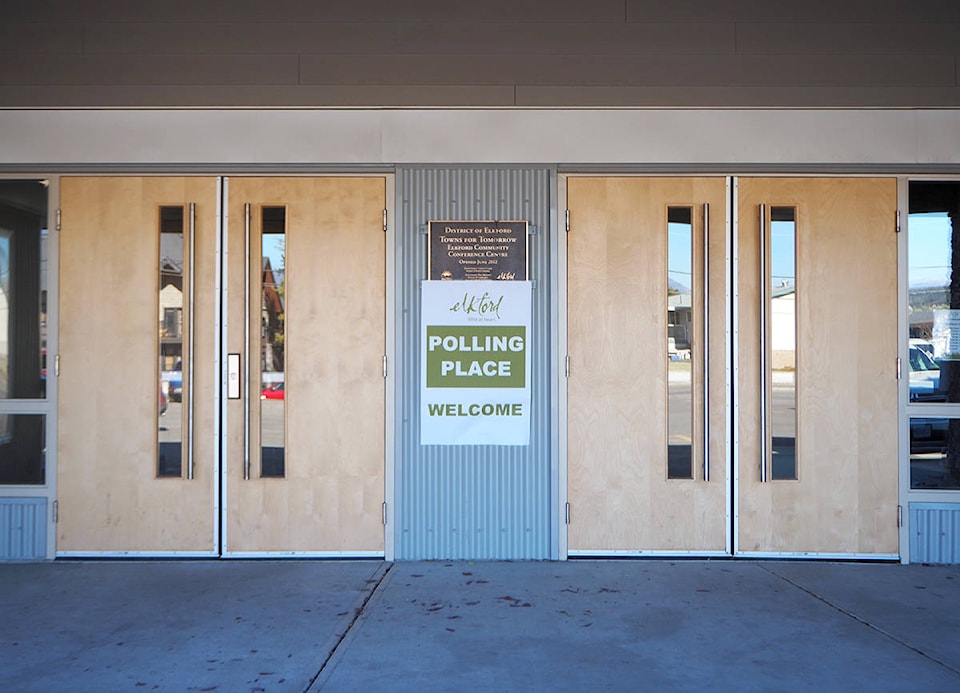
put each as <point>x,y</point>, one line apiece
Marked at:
<point>623,360</point>
<point>842,497</point>
<point>327,493</point>
<point>115,494</point>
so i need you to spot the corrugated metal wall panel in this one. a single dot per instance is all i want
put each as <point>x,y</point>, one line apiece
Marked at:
<point>23,529</point>
<point>472,502</point>
<point>935,533</point>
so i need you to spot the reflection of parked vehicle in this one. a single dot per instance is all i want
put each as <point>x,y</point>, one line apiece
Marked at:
<point>163,402</point>
<point>176,382</point>
<point>926,434</point>
<point>924,377</point>
<point>923,345</point>
<point>272,392</point>
<point>176,389</point>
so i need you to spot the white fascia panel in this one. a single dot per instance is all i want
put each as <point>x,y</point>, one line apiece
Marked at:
<point>190,136</point>
<point>938,136</point>
<point>483,136</point>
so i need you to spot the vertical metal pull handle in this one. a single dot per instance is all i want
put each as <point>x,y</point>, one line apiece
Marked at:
<point>246,341</point>
<point>763,344</point>
<point>705,346</point>
<point>193,341</point>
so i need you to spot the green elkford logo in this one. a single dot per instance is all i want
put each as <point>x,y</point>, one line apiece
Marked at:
<point>484,306</point>
<point>476,356</point>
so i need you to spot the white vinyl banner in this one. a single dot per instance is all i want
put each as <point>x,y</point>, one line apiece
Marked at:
<point>475,363</point>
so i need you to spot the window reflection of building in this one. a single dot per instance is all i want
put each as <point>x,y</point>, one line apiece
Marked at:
<point>171,288</point>
<point>783,327</point>
<point>680,322</point>
<point>272,318</point>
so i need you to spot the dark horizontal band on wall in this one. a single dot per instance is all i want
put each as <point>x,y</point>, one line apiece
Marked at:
<point>374,70</point>
<point>536,11</point>
<point>474,96</point>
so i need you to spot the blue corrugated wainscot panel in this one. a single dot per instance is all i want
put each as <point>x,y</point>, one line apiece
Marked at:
<point>23,529</point>
<point>472,502</point>
<point>935,533</point>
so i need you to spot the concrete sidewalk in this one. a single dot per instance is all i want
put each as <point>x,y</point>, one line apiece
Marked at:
<point>624,625</point>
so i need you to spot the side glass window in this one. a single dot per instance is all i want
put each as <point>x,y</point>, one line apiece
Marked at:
<point>934,292</point>
<point>23,328</point>
<point>934,453</point>
<point>933,281</point>
<point>23,289</point>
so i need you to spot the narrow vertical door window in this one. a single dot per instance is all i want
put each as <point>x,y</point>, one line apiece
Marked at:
<point>680,342</point>
<point>782,343</point>
<point>170,316</point>
<point>272,352</point>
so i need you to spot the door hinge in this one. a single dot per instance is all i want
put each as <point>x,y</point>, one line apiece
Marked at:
<point>566,366</point>
<point>384,219</point>
<point>56,512</point>
<point>384,365</point>
<point>56,365</point>
<point>899,367</point>
<point>567,514</point>
<point>58,220</point>
<point>384,518</point>
<point>567,220</point>
<point>899,516</point>
<point>898,221</point>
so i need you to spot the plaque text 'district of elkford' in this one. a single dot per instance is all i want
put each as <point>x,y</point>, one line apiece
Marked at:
<point>490,250</point>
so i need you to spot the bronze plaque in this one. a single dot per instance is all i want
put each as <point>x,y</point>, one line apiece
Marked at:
<point>491,250</point>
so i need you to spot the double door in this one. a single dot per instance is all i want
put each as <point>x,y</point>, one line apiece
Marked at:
<point>732,366</point>
<point>221,376</point>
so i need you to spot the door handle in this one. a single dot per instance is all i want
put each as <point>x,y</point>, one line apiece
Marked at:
<point>705,339</point>
<point>246,340</point>
<point>192,254</point>
<point>764,424</point>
